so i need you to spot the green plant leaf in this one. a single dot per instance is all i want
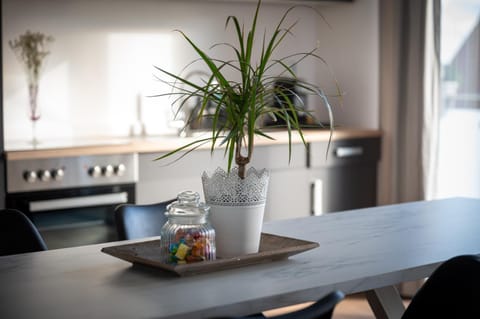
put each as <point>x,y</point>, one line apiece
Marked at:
<point>240,106</point>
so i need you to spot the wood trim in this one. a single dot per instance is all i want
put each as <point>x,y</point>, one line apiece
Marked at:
<point>161,144</point>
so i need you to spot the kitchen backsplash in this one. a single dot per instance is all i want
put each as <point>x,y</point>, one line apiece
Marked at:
<point>100,77</point>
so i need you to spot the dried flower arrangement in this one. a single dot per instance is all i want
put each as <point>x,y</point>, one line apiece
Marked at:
<point>31,49</point>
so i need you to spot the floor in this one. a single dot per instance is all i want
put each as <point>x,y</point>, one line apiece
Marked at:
<point>352,307</point>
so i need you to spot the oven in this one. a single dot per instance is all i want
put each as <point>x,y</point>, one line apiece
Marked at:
<point>71,200</point>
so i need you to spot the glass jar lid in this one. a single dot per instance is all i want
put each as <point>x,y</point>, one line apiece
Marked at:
<point>187,205</point>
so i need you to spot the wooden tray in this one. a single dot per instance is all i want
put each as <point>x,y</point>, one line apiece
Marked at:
<point>272,247</point>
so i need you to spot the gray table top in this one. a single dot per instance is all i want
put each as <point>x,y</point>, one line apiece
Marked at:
<point>359,250</point>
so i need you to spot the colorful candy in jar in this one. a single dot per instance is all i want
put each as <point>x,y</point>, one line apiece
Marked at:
<point>189,247</point>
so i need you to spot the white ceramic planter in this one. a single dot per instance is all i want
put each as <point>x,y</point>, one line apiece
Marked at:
<point>236,209</point>
<point>238,229</point>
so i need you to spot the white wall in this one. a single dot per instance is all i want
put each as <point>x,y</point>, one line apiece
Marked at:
<point>100,67</point>
<point>351,47</point>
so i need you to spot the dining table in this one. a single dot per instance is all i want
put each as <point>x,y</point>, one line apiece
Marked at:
<point>369,250</point>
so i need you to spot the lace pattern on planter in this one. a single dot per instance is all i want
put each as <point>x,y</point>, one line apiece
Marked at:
<point>222,188</point>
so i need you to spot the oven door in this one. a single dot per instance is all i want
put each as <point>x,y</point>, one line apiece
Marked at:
<point>74,217</point>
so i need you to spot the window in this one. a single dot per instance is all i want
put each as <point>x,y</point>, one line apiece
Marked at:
<point>459,136</point>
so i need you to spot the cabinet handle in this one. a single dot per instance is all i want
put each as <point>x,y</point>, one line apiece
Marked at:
<point>349,151</point>
<point>316,197</point>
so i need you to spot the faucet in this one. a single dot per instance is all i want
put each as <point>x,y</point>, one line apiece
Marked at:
<point>185,120</point>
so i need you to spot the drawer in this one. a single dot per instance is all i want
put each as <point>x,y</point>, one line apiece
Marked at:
<point>276,157</point>
<point>344,152</point>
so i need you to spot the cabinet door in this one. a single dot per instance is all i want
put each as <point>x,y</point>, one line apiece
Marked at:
<point>288,188</point>
<point>288,193</point>
<point>163,180</point>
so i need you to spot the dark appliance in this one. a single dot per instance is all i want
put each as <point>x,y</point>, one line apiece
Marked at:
<point>347,179</point>
<point>287,92</point>
<point>71,199</point>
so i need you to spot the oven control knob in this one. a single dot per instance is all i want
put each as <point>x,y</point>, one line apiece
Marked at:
<point>57,174</point>
<point>120,169</point>
<point>30,176</point>
<point>95,171</point>
<point>107,171</point>
<point>44,175</point>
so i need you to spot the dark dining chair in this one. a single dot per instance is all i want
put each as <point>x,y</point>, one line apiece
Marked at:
<point>321,309</point>
<point>452,291</point>
<point>18,234</point>
<point>139,221</point>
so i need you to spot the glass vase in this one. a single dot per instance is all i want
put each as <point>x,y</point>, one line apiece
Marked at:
<point>34,113</point>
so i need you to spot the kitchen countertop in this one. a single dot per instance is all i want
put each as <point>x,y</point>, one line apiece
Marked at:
<point>154,144</point>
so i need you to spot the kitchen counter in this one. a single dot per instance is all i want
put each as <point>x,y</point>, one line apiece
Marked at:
<point>152,144</point>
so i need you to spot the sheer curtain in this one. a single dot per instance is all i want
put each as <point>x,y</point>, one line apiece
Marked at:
<point>431,99</point>
<point>409,117</point>
<point>409,99</point>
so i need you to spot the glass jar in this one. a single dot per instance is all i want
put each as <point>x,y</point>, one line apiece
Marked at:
<point>187,236</point>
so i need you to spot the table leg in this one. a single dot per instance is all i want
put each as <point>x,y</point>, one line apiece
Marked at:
<point>386,303</point>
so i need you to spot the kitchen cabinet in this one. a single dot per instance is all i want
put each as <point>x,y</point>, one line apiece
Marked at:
<point>288,193</point>
<point>310,184</point>
<point>163,180</point>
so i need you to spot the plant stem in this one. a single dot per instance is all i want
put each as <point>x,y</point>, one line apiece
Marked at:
<point>241,160</point>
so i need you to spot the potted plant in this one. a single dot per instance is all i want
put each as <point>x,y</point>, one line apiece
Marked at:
<point>237,196</point>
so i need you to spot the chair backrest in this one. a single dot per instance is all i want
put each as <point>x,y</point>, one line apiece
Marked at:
<point>139,221</point>
<point>18,234</point>
<point>321,309</point>
<point>451,291</point>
